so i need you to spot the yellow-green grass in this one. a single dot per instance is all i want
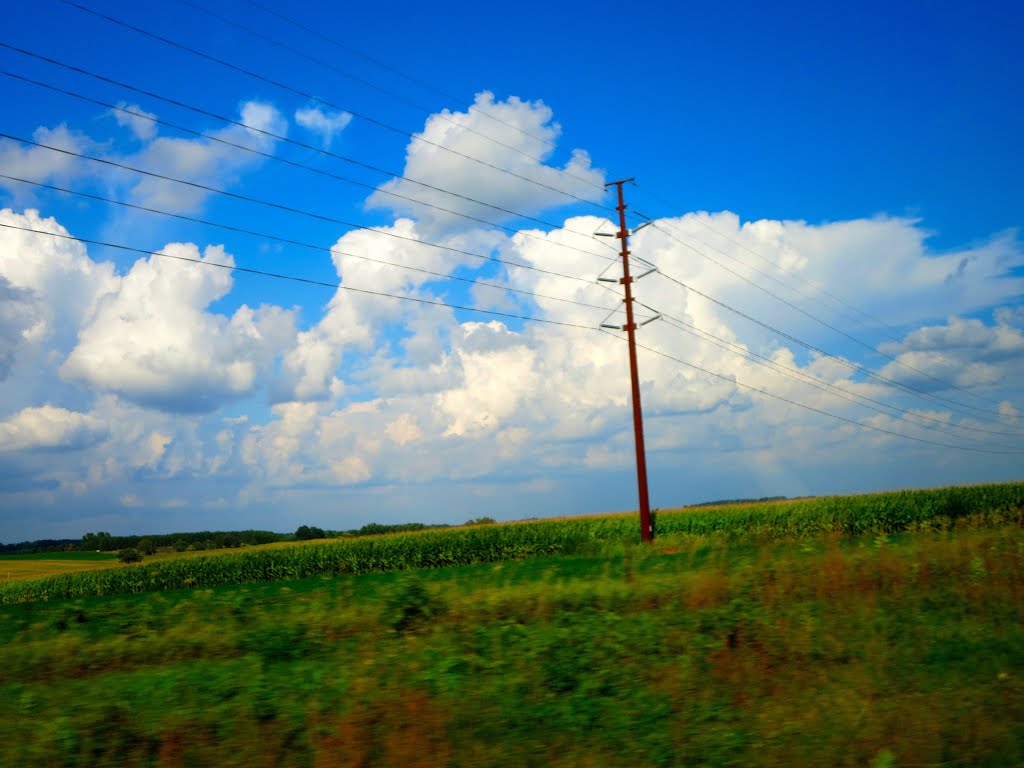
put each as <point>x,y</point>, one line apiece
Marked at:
<point>41,565</point>
<point>38,565</point>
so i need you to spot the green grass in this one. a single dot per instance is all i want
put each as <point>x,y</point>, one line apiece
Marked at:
<point>901,649</point>
<point>846,515</point>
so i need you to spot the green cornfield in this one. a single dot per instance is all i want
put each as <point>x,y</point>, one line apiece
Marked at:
<point>845,515</point>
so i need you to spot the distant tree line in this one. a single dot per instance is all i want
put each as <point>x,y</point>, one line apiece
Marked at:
<point>376,529</point>
<point>194,540</point>
<point>722,502</point>
<point>306,532</point>
<point>148,544</point>
<point>40,545</point>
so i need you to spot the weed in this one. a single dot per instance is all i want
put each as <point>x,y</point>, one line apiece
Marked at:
<point>410,605</point>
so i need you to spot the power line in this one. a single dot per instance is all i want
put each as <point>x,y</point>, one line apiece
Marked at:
<point>317,216</point>
<point>814,285</point>
<point>852,338</point>
<point>813,348</point>
<point>831,327</point>
<point>757,271</point>
<point>297,143</point>
<point>435,302</point>
<point>384,65</point>
<point>455,250</point>
<point>363,81</point>
<point>861,424</point>
<point>293,163</point>
<point>767,326</point>
<point>289,241</point>
<point>307,281</point>
<point>285,208</point>
<point>311,97</point>
<point>825,386</point>
<point>525,318</point>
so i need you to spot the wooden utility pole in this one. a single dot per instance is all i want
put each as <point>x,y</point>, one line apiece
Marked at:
<point>646,531</point>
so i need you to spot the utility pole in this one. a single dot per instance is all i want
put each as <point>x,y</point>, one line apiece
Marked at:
<point>646,531</point>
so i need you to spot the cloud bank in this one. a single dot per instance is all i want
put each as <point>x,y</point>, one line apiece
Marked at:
<point>148,390</point>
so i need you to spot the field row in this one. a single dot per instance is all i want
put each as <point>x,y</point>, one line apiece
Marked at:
<point>845,515</point>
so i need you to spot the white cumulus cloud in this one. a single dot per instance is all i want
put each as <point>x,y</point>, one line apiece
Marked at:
<point>326,125</point>
<point>202,160</point>
<point>135,119</point>
<point>152,341</point>
<point>41,164</point>
<point>516,149</point>
<point>58,284</point>
<point>49,427</point>
<point>18,313</point>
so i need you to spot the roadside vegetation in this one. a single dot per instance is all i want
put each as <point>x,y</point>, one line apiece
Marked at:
<point>883,630</point>
<point>706,649</point>
<point>482,543</point>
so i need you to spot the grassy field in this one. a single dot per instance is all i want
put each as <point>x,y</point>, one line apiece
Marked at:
<point>53,564</point>
<point>43,564</point>
<point>881,630</point>
<point>842,515</point>
<point>881,649</point>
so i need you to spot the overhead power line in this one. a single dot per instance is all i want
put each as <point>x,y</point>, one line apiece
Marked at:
<point>476,255</point>
<point>295,142</point>
<point>680,324</point>
<point>832,327</point>
<point>304,280</point>
<point>733,381</point>
<point>860,342</point>
<point>755,270</point>
<point>811,283</point>
<point>310,97</point>
<point>811,347</point>
<point>482,256</point>
<point>363,81</point>
<point>281,207</point>
<point>295,164</point>
<point>394,70</point>
<point>310,246</point>
<point>496,313</point>
<point>630,326</point>
<point>821,384</point>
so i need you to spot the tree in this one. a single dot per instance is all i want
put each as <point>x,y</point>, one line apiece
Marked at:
<point>100,540</point>
<point>129,556</point>
<point>306,532</point>
<point>481,521</point>
<point>146,546</point>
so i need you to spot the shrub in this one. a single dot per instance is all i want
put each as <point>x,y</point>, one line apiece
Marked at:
<point>411,605</point>
<point>146,546</point>
<point>129,556</point>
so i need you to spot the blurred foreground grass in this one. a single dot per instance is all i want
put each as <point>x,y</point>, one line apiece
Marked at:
<point>708,649</point>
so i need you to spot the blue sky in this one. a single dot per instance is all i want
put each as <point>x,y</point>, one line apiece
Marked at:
<point>848,161</point>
